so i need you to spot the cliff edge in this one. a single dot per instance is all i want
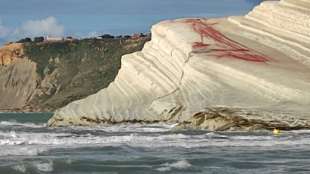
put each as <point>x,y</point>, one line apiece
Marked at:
<point>246,72</point>
<point>44,76</point>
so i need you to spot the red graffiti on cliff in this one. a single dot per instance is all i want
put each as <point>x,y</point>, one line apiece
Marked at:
<point>225,47</point>
<point>199,45</point>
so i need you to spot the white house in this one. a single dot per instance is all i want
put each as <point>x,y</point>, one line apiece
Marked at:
<point>51,38</point>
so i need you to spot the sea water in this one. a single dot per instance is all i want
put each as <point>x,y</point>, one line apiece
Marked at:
<point>27,145</point>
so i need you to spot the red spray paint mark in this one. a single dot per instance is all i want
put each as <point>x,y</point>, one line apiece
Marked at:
<point>226,47</point>
<point>199,45</point>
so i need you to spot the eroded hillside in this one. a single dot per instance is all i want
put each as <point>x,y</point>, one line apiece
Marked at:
<point>47,75</point>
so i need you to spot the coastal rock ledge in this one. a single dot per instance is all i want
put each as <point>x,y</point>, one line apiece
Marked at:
<point>247,72</point>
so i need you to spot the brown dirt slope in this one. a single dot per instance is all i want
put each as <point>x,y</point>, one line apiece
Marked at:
<point>48,75</point>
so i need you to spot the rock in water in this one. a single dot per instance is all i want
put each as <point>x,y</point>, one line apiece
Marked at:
<point>257,64</point>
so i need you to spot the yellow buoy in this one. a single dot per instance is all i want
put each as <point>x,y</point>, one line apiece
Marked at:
<point>276,131</point>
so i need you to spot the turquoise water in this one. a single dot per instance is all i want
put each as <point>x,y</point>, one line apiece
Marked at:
<point>28,146</point>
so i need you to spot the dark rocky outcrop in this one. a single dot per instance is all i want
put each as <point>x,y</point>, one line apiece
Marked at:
<point>238,119</point>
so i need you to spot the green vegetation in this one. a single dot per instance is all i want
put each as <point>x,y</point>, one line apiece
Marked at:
<point>71,70</point>
<point>25,40</point>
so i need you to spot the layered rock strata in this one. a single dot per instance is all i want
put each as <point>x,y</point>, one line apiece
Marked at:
<point>258,64</point>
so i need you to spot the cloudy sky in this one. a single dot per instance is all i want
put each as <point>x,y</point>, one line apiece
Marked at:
<point>84,18</point>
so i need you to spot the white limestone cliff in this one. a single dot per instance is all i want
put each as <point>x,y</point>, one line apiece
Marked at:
<point>257,63</point>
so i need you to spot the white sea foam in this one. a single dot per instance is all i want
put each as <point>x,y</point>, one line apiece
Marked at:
<point>182,164</point>
<point>158,127</point>
<point>258,138</point>
<point>215,135</point>
<point>164,169</point>
<point>20,168</point>
<point>33,143</point>
<point>18,138</point>
<point>300,131</point>
<point>44,166</point>
<point>22,150</point>
<point>152,140</point>
<point>14,123</point>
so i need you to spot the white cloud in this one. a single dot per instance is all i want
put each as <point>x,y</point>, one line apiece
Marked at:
<point>48,26</point>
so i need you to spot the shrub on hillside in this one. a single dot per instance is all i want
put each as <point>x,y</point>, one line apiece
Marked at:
<point>24,40</point>
<point>38,39</point>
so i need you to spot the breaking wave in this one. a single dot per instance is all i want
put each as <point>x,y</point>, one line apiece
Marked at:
<point>151,148</point>
<point>182,164</point>
<point>157,136</point>
<point>15,123</point>
<point>44,166</point>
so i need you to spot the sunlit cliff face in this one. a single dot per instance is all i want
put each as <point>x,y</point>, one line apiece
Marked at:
<point>9,53</point>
